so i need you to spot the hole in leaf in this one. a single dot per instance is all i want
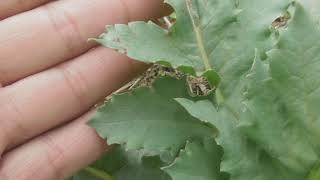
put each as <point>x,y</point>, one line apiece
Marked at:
<point>153,73</point>
<point>168,21</point>
<point>199,86</point>
<point>281,21</point>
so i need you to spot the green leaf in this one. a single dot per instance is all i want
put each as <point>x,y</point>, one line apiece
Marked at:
<point>233,57</point>
<point>267,79</point>
<point>139,167</point>
<point>184,44</point>
<point>314,173</point>
<point>313,8</point>
<point>124,165</point>
<point>149,119</point>
<point>215,34</point>
<point>199,160</point>
<point>279,117</point>
<point>103,168</point>
<point>283,97</point>
<point>242,158</point>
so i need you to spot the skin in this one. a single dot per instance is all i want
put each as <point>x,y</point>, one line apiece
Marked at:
<point>51,78</point>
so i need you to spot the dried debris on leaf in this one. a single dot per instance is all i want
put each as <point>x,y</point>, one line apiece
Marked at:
<point>167,22</point>
<point>281,21</point>
<point>154,72</point>
<point>198,86</point>
<point>147,78</point>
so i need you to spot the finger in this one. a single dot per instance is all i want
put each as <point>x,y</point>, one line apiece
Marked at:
<point>11,7</point>
<point>58,31</point>
<point>55,155</point>
<point>45,100</point>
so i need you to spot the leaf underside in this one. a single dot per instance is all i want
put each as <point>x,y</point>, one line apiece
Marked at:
<point>262,121</point>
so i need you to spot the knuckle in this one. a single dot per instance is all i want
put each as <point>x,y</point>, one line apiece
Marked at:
<point>53,154</point>
<point>76,82</point>
<point>65,26</point>
<point>11,124</point>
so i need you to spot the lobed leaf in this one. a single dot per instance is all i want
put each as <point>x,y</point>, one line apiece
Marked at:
<point>265,111</point>
<point>123,165</point>
<point>199,160</point>
<point>150,119</point>
<point>184,44</point>
<point>283,96</point>
<point>242,158</point>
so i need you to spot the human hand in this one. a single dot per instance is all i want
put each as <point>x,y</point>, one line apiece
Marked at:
<point>51,77</point>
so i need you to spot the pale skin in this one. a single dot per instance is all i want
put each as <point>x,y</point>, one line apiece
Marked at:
<point>51,78</point>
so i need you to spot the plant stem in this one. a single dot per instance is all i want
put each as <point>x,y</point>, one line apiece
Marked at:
<point>314,174</point>
<point>199,37</point>
<point>98,173</point>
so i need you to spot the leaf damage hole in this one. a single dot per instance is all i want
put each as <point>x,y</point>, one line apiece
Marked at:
<point>167,22</point>
<point>281,22</point>
<point>199,86</point>
<point>156,71</point>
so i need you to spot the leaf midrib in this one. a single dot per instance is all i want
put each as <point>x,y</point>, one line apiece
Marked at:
<point>199,37</point>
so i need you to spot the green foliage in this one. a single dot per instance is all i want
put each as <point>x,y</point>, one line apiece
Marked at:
<point>182,46</point>
<point>124,165</point>
<point>262,121</point>
<point>150,119</point>
<point>199,160</point>
<point>290,82</point>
